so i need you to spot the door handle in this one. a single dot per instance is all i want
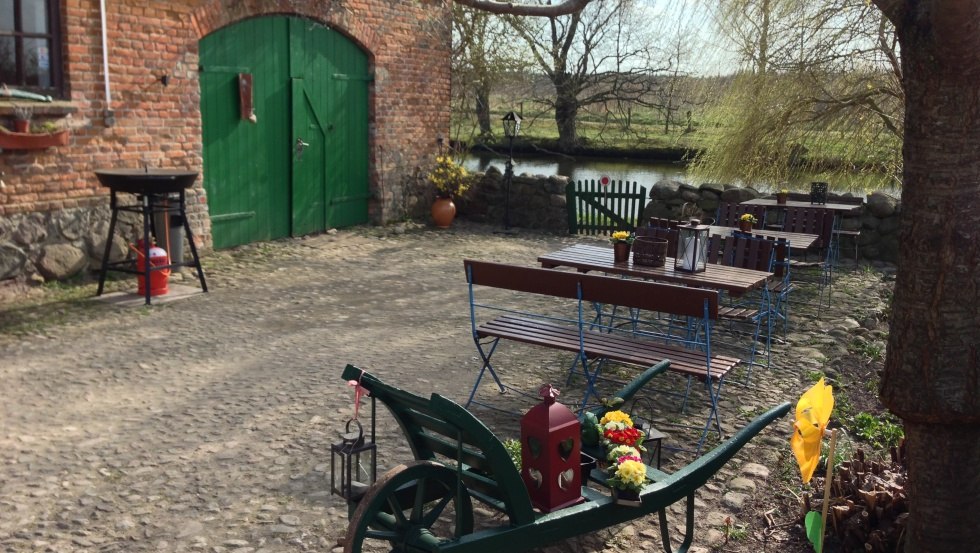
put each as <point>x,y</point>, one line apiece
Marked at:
<point>300,147</point>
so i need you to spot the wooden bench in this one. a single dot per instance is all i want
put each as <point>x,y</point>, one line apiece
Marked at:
<point>592,342</point>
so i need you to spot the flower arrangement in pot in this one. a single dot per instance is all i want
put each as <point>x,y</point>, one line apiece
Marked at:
<point>746,221</point>
<point>450,180</point>
<point>782,196</point>
<point>622,241</point>
<point>624,446</point>
<point>448,177</point>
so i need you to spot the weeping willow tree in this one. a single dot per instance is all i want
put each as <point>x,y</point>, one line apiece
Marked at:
<point>820,95</point>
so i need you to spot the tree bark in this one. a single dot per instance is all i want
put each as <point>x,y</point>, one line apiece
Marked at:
<point>932,370</point>
<point>481,90</point>
<point>566,113</point>
<point>943,487</point>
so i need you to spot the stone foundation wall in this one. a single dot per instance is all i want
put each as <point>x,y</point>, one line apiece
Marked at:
<point>57,245</point>
<point>536,201</point>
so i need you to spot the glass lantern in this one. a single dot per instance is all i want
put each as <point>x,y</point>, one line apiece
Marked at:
<point>692,247</point>
<point>345,461</point>
<point>512,125</point>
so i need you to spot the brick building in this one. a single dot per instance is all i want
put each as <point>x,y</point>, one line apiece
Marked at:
<point>300,115</point>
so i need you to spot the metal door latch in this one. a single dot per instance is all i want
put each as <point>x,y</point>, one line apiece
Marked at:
<point>300,148</point>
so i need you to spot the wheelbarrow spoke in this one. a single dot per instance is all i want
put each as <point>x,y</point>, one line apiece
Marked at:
<point>434,514</point>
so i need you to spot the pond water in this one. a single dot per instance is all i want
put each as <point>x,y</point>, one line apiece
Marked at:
<point>646,173</point>
<point>582,168</point>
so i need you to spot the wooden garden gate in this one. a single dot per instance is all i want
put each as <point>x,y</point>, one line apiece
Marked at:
<point>594,208</point>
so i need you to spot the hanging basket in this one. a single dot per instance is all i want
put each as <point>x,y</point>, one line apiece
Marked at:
<point>649,251</point>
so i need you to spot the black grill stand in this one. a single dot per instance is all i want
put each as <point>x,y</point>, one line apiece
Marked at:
<point>148,204</point>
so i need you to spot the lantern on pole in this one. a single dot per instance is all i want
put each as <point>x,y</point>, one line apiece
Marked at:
<point>550,453</point>
<point>692,247</point>
<point>512,127</point>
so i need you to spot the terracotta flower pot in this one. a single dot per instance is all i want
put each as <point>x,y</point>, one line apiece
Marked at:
<point>781,198</point>
<point>745,226</point>
<point>621,252</point>
<point>443,212</point>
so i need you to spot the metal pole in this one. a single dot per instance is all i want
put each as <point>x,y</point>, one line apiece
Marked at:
<point>508,176</point>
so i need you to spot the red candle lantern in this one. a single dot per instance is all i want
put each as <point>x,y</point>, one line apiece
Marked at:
<point>550,459</point>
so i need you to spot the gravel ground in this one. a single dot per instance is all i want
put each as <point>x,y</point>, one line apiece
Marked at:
<point>204,424</point>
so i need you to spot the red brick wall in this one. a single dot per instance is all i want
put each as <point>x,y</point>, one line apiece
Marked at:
<point>408,46</point>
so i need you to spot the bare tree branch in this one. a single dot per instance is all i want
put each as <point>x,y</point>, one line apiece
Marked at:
<point>519,8</point>
<point>894,10</point>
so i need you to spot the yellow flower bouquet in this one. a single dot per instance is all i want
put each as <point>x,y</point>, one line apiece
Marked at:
<point>449,177</point>
<point>622,236</point>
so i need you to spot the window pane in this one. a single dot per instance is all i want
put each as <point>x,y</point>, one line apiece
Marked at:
<point>6,15</point>
<point>35,16</point>
<point>8,62</point>
<point>37,62</point>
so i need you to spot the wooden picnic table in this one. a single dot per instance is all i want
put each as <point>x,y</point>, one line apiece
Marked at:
<point>797,240</point>
<point>836,208</point>
<point>586,257</point>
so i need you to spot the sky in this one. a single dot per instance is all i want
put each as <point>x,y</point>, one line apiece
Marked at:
<point>710,52</point>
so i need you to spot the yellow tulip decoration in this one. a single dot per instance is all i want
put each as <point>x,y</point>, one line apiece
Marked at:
<point>812,416</point>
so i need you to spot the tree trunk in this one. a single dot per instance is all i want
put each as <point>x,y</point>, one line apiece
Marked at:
<point>482,92</point>
<point>932,371</point>
<point>943,487</point>
<point>566,112</point>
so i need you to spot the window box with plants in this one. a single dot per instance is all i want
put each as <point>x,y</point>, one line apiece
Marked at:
<point>24,137</point>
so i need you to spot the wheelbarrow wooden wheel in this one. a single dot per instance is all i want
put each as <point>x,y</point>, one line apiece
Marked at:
<point>413,507</point>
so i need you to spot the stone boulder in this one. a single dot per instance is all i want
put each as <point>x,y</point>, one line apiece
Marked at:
<point>60,261</point>
<point>665,189</point>
<point>738,195</point>
<point>713,188</point>
<point>882,205</point>
<point>33,230</point>
<point>12,261</point>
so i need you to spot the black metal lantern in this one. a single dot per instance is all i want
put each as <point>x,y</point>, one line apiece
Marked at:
<point>692,247</point>
<point>512,125</point>
<point>345,460</point>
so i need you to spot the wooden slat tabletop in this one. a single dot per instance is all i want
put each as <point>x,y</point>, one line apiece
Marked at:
<point>797,240</point>
<point>585,258</point>
<point>768,202</point>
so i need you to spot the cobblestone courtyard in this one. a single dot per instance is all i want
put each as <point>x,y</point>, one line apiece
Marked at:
<point>204,424</point>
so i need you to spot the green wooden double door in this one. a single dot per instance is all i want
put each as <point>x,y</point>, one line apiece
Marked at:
<point>300,165</point>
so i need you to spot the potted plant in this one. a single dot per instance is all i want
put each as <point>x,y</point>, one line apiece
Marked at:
<point>782,196</point>
<point>22,118</point>
<point>626,479</point>
<point>622,241</point>
<point>746,221</point>
<point>624,444</point>
<point>450,180</point>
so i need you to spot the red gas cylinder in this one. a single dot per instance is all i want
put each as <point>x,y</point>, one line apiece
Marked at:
<point>158,279</point>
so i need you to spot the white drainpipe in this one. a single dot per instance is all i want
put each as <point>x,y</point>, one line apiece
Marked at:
<point>109,115</point>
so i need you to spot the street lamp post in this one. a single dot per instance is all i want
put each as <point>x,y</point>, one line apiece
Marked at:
<point>512,126</point>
